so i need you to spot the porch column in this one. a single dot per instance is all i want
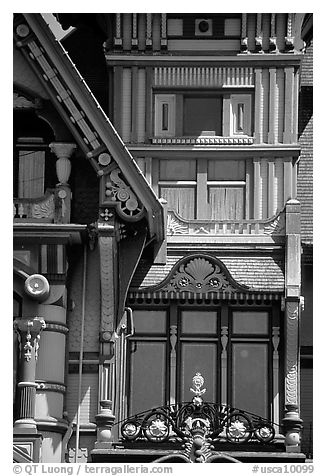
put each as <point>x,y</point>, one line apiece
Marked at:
<point>292,422</point>
<point>63,152</point>
<point>108,255</point>
<point>28,330</point>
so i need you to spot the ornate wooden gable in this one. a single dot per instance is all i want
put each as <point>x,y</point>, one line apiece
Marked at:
<point>123,187</point>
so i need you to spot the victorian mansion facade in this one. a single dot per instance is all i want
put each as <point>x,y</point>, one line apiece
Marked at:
<point>159,284</point>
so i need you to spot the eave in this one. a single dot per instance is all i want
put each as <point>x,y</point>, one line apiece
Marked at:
<point>193,59</point>
<point>107,136</point>
<point>49,232</point>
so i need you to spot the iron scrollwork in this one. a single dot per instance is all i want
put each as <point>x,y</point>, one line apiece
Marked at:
<point>199,421</point>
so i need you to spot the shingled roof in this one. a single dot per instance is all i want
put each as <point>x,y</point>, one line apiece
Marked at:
<point>262,274</point>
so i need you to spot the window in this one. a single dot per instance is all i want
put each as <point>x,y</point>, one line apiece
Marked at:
<point>250,346</point>
<point>226,189</point>
<point>174,343</point>
<point>172,362</point>
<point>204,189</point>
<point>177,185</point>
<point>34,168</point>
<point>30,168</point>
<point>202,116</point>
<point>188,114</point>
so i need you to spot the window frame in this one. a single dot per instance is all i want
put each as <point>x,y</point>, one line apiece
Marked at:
<point>201,186</point>
<point>229,114</point>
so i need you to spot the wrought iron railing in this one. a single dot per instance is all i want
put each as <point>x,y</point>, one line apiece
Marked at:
<point>216,421</point>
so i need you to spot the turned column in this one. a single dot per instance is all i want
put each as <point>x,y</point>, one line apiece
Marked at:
<point>28,330</point>
<point>63,151</point>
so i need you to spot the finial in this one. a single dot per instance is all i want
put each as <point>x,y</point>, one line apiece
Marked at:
<point>198,382</point>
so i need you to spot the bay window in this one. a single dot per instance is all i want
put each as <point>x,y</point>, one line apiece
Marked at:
<point>171,344</point>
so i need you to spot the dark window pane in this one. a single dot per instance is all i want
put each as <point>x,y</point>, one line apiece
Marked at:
<point>250,322</point>
<point>200,358</point>
<point>178,170</point>
<point>198,322</point>
<point>147,376</point>
<point>202,115</point>
<point>149,321</point>
<point>250,378</point>
<point>226,170</point>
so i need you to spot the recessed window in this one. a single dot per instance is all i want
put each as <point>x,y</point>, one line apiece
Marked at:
<point>202,116</point>
<point>188,114</point>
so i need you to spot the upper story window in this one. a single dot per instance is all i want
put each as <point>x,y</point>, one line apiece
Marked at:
<point>213,189</point>
<point>193,114</point>
<point>34,168</point>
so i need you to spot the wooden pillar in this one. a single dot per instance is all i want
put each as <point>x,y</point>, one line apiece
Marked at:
<point>273,112</point>
<point>288,105</point>
<point>164,41</point>
<point>244,35</point>
<point>134,104</point>
<point>259,34</point>
<point>257,191</point>
<point>126,105</point>
<point>288,179</point>
<point>118,35</point>
<point>273,36</point>
<point>149,32</point>
<point>109,340</point>
<point>173,364</point>
<point>224,363</point>
<point>276,397</point>
<point>141,100</point>
<point>134,38</point>
<point>271,188</point>
<point>202,204</point>
<point>63,152</point>
<point>291,422</point>
<point>259,112</point>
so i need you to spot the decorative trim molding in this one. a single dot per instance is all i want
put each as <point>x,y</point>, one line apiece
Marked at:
<point>116,192</point>
<point>177,225</point>
<point>55,327</point>
<point>292,318</point>
<point>203,140</point>
<point>51,387</point>
<point>107,276</point>
<point>203,76</point>
<point>21,102</point>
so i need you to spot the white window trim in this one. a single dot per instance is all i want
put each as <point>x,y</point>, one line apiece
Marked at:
<point>160,100</point>
<point>235,101</point>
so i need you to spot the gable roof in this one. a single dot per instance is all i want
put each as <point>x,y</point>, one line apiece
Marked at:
<point>80,111</point>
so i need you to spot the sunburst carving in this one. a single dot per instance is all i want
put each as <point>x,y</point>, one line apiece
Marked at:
<point>199,275</point>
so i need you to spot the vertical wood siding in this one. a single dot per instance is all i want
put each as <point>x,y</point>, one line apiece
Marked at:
<point>126,104</point>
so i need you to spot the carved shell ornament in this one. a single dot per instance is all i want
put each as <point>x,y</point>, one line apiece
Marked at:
<point>200,275</point>
<point>119,193</point>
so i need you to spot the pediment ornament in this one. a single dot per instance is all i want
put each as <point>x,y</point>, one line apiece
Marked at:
<point>201,275</point>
